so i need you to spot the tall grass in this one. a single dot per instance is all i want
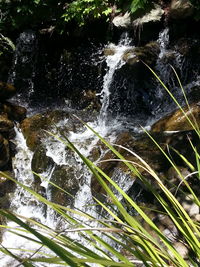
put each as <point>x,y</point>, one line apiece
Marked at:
<point>134,245</point>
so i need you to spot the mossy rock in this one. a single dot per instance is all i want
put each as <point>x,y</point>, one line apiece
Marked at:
<point>6,185</point>
<point>14,112</point>
<point>33,127</point>
<point>147,53</point>
<point>177,121</point>
<point>5,124</point>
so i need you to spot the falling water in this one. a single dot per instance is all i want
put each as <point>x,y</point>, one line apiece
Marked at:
<point>114,62</point>
<point>23,203</point>
<point>23,71</point>
<point>163,41</point>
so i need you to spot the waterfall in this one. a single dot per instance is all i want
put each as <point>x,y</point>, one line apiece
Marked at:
<point>24,203</point>
<point>114,61</point>
<point>163,41</point>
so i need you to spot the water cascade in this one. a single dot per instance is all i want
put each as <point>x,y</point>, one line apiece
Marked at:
<point>114,62</point>
<point>60,159</point>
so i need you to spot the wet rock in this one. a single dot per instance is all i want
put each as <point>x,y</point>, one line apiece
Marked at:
<point>40,164</point>
<point>109,51</point>
<point>162,221</point>
<point>16,113</point>
<point>90,101</point>
<point>194,94</point>
<point>177,121</point>
<point>5,124</point>
<point>6,185</point>
<point>4,151</point>
<point>143,148</point>
<point>6,91</point>
<point>33,127</point>
<point>166,225</point>
<point>65,178</point>
<point>57,121</point>
<point>181,9</point>
<point>147,53</point>
<point>135,83</point>
<point>40,161</point>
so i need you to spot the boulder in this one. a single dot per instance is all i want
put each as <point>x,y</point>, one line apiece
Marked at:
<point>6,91</point>
<point>177,121</point>
<point>109,51</point>
<point>6,185</point>
<point>40,164</point>
<point>40,161</point>
<point>5,124</point>
<point>16,113</point>
<point>148,54</point>
<point>142,147</point>
<point>33,127</point>
<point>57,121</point>
<point>181,9</point>
<point>65,178</point>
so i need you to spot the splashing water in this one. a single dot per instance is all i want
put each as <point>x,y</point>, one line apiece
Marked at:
<point>114,62</point>
<point>23,71</point>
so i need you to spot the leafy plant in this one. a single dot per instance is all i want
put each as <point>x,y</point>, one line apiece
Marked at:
<point>138,4</point>
<point>82,10</point>
<point>6,45</point>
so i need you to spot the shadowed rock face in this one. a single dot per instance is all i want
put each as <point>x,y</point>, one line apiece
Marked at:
<point>181,9</point>
<point>4,151</point>
<point>9,114</point>
<point>6,91</point>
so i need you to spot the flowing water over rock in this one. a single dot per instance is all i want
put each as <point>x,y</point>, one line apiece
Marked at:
<point>129,97</point>
<point>114,61</point>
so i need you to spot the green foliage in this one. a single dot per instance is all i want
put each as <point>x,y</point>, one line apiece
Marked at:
<point>20,14</point>
<point>6,45</point>
<point>82,10</point>
<point>138,4</point>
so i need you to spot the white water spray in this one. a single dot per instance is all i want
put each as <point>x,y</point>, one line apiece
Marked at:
<point>114,61</point>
